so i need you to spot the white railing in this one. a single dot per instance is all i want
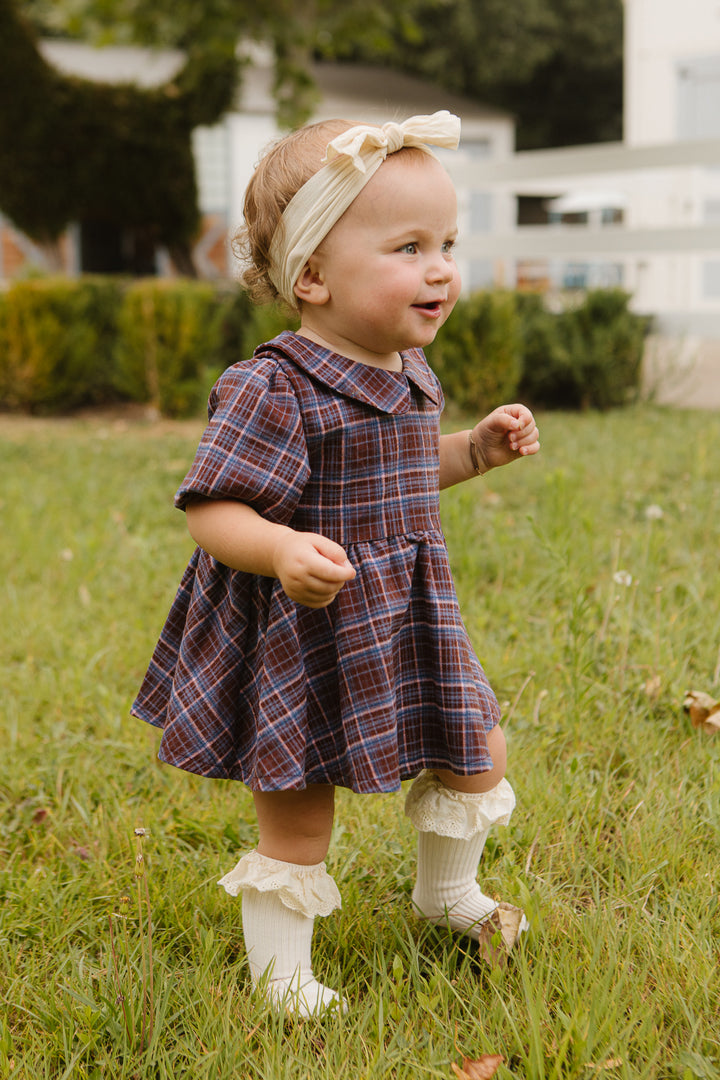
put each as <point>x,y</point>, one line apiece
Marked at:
<point>634,243</point>
<point>584,160</point>
<point>574,241</point>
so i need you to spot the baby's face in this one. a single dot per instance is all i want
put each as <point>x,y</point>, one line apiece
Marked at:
<point>388,265</point>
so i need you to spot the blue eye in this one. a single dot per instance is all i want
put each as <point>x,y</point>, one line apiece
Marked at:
<point>448,247</point>
<point>409,249</point>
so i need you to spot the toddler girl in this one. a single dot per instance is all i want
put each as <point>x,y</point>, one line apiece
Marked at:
<point>315,639</point>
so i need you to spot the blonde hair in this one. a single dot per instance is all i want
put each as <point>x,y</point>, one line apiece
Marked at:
<point>281,172</point>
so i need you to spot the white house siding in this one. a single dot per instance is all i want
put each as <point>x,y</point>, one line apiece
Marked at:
<point>672,48</point>
<point>672,93</point>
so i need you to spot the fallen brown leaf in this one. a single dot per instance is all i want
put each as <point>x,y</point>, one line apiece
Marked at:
<point>704,711</point>
<point>499,933</point>
<point>481,1068</point>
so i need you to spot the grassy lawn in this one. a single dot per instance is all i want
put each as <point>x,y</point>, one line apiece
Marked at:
<point>590,583</point>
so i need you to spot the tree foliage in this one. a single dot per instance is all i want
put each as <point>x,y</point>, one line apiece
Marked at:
<point>297,29</point>
<point>76,150</point>
<point>556,64</point>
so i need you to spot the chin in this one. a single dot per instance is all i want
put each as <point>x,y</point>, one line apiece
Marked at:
<point>427,339</point>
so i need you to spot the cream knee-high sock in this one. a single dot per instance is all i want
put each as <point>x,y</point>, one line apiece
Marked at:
<point>278,942</point>
<point>452,829</point>
<point>280,901</point>
<point>446,891</point>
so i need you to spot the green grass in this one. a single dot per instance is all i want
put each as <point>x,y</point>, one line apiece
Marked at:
<point>613,848</point>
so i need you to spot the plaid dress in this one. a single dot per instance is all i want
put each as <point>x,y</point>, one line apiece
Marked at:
<point>250,685</point>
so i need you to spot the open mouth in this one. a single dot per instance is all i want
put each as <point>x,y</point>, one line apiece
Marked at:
<point>433,307</point>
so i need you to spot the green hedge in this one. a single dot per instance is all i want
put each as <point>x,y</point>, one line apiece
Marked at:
<point>66,343</point>
<point>166,344</point>
<point>56,340</point>
<point>588,356</point>
<point>477,355</point>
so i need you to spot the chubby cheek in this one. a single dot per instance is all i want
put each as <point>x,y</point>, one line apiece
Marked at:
<point>454,289</point>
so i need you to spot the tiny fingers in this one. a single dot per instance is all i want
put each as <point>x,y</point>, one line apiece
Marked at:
<point>525,441</point>
<point>321,582</point>
<point>530,445</point>
<point>311,595</point>
<point>319,597</point>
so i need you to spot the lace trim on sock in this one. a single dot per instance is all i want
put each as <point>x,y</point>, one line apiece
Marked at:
<point>307,889</point>
<point>433,807</point>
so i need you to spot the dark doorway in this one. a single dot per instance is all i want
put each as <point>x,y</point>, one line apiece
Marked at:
<point>106,248</point>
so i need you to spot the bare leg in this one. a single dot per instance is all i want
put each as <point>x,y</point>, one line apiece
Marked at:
<point>295,826</point>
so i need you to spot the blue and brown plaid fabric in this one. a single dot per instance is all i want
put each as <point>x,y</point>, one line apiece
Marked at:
<point>247,684</point>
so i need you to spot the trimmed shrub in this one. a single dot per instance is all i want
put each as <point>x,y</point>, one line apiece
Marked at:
<point>66,343</point>
<point>56,343</point>
<point>477,354</point>
<point>585,357</point>
<point>71,343</point>
<point>170,344</point>
<point>233,331</point>
<point>550,352</point>
<point>612,340</point>
<point>266,322</point>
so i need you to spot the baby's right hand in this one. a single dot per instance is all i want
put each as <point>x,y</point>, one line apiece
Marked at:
<point>311,569</point>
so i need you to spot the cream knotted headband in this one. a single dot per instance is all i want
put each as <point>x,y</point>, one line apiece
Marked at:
<point>351,160</point>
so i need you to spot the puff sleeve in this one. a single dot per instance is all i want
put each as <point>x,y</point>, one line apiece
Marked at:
<point>254,447</point>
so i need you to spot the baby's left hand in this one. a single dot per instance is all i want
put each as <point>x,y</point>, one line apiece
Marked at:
<point>505,434</point>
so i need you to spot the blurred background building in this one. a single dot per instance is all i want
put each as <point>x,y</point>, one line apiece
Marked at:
<point>646,210</point>
<point>226,154</point>
<point>642,214</point>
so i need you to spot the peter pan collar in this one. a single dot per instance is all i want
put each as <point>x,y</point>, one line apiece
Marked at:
<point>387,391</point>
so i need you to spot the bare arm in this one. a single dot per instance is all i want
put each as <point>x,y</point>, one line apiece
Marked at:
<point>310,568</point>
<point>504,435</point>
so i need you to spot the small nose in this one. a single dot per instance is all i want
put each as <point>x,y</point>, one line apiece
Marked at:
<point>440,268</point>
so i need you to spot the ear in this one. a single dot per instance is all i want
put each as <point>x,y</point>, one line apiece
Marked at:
<point>310,287</point>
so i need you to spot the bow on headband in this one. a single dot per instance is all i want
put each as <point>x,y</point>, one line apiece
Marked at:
<point>352,158</point>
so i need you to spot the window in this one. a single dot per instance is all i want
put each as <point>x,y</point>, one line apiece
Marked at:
<point>212,165</point>
<point>698,98</point>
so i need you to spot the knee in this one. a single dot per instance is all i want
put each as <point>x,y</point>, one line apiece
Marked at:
<point>498,752</point>
<point>484,781</point>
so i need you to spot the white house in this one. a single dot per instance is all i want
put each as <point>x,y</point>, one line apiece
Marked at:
<point>672,94</point>
<point>663,178</point>
<point>643,213</point>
